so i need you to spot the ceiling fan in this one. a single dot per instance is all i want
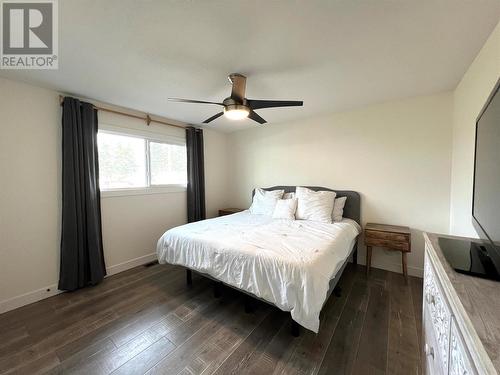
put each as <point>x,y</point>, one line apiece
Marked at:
<point>237,107</point>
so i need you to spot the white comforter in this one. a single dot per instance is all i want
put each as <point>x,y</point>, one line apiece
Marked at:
<point>288,263</point>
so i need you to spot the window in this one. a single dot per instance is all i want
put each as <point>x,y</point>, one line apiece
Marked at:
<point>168,164</point>
<point>132,161</point>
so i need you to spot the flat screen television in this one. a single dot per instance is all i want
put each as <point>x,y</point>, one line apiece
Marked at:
<point>481,258</point>
<point>486,191</point>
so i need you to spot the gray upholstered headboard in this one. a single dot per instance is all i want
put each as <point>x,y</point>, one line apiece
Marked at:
<point>352,209</point>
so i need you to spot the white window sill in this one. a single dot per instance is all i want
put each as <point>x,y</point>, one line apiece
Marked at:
<point>143,191</point>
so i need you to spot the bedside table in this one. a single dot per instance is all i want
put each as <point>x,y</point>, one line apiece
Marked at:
<point>391,237</point>
<point>229,211</point>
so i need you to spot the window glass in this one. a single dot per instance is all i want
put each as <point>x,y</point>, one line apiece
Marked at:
<point>122,161</point>
<point>131,161</point>
<point>168,164</point>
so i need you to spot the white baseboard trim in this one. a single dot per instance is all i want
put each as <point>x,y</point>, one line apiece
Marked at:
<point>120,267</point>
<point>51,290</point>
<point>27,298</point>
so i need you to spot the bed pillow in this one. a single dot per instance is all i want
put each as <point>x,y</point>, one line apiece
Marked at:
<point>264,201</point>
<point>314,205</point>
<point>288,195</point>
<point>285,209</point>
<point>338,208</point>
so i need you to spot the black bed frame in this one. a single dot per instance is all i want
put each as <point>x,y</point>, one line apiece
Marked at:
<point>352,210</point>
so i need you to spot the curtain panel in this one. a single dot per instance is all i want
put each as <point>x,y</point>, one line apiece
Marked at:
<point>196,175</point>
<point>82,257</point>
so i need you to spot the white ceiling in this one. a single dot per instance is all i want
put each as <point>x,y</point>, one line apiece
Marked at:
<point>334,55</point>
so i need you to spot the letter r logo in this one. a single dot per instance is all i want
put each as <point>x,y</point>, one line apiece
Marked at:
<point>27,28</point>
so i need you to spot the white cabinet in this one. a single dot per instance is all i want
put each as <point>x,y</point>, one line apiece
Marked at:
<point>460,361</point>
<point>432,362</point>
<point>438,314</point>
<point>445,351</point>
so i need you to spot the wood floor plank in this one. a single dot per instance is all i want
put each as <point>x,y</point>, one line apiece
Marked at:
<point>229,338</point>
<point>91,296</point>
<point>372,352</point>
<point>189,338</point>
<point>12,336</point>
<point>67,334</point>
<point>279,349</point>
<point>403,352</point>
<point>147,358</point>
<point>212,341</point>
<point>13,343</point>
<point>91,318</point>
<point>341,353</point>
<point>86,344</point>
<point>180,334</point>
<point>147,320</point>
<point>74,314</point>
<point>153,354</point>
<point>79,358</point>
<point>109,285</point>
<point>253,346</point>
<point>40,366</point>
<point>105,363</point>
<point>127,316</point>
<point>376,276</point>
<point>403,348</point>
<point>400,294</point>
<point>311,350</point>
<point>416,286</point>
<point>52,342</point>
<point>156,314</point>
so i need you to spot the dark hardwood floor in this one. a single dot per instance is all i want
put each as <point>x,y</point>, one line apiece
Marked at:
<point>146,320</point>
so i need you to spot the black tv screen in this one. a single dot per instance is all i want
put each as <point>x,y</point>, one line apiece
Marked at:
<point>486,199</point>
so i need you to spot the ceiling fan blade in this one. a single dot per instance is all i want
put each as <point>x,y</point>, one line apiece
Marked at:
<point>192,101</point>
<point>213,117</point>
<point>258,104</point>
<point>254,116</point>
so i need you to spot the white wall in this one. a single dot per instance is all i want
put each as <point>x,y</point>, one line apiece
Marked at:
<point>396,154</point>
<point>30,192</point>
<point>30,170</point>
<point>469,98</point>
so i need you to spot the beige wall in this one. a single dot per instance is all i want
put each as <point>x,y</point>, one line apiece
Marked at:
<point>30,192</point>
<point>469,98</point>
<point>396,154</point>
<point>30,196</point>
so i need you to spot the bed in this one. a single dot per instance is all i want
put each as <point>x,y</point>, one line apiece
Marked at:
<point>292,264</point>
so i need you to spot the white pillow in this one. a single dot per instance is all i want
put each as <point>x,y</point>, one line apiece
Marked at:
<point>285,209</point>
<point>264,201</point>
<point>288,195</point>
<point>314,205</point>
<point>338,208</point>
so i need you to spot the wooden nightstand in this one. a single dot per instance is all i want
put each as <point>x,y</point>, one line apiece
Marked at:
<point>391,237</point>
<point>229,211</point>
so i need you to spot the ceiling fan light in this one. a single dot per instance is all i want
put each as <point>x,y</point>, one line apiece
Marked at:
<point>239,113</point>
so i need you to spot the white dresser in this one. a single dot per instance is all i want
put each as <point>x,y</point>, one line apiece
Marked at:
<point>461,318</point>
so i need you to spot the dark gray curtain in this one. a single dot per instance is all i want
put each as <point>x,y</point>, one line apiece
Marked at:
<point>82,258</point>
<point>196,175</point>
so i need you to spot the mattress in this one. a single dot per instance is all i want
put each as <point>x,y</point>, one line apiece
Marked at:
<point>286,262</point>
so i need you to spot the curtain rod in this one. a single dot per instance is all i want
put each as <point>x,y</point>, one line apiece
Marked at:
<point>146,118</point>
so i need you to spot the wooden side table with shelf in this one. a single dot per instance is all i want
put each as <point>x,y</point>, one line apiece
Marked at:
<point>392,237</point>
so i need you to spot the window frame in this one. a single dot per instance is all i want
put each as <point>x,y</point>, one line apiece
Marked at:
<point>148,137</point>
